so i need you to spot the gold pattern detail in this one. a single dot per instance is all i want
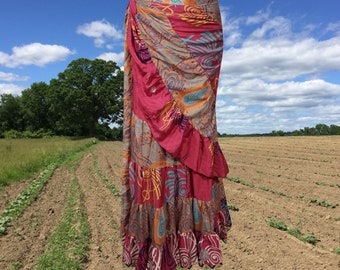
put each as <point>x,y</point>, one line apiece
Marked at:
<point>151,183</point>
<point>169,113</point>
<point>212,149</point>
<point>167,9</point>
<point>196,16</point>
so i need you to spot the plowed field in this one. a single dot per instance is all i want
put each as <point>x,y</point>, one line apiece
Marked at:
<point>295,180</point>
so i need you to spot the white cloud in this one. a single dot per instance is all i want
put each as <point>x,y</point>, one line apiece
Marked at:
<point>231,28</point>
<point>282,59</point>
<point>102,32</point>
<point>275,27</point>
<point>11,89</point>
<point>11,77</point>
<point>259,106</point>
<point>333,28</point>
<point>115,57</point>
<point>275,78</point>
<point>259,17</point>
<point>34,54</point>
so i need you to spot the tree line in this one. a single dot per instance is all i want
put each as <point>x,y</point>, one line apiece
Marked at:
<point>318,130</point>
<point>85,100</point>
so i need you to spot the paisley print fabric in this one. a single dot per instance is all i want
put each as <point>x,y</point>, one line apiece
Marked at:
<point>174,207</point>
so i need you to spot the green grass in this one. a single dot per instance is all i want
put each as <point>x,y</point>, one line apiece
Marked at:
<point>115,191</point>
<point>25,198</point>
<point>16,265</point>
<point>68,246</point>
<point>16,207</point>
<point>21,158</point>
<point>323,203</point>
<point>233,207</point>
<point>240,181</point>
<point>281,225</point>
<point>274,191</point>
<point>296,231</point>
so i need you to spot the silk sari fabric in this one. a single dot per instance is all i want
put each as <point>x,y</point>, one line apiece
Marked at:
<point>174,207</point>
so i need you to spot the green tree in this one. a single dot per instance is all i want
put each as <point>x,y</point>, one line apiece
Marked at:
<point>277,133</point>
<point>35,107</point>
<point>88,92</point>
<point>334,130</point>
<point>10,113</point>
<point>322,129</point>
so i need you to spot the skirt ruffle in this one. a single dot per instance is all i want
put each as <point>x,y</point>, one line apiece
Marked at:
<point>179,250</point>
<point>173,222</point>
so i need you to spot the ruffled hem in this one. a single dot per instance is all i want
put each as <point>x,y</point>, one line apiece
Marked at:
<point>179,250</point>
<point>181,230</point>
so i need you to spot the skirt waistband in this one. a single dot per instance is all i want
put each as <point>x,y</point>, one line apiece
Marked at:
<point>180,2</point>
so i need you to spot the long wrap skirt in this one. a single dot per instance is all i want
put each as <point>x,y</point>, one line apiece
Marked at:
<point>174,207</point>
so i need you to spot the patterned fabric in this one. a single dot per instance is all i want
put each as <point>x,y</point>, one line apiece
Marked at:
<point>174,208</point>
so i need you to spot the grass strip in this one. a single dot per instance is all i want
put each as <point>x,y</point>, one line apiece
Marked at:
<point>296,232</point>
<point>25,198</point>
<point>323,203</point>
<point>115,191</point>
<point>240,181</point>
<point>274,191</point>
<point>233,207</point>
<point>22,158</point>
<point>31,193</point>
<point>68,246</point>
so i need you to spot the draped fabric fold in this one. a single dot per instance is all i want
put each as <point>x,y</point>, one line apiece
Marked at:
<point>173,198</point>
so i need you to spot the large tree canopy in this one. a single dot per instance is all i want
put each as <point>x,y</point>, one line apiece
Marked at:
<point>84,100</point>
<point>35,107</point>
<point>87,92</point>
<point>10,117</point>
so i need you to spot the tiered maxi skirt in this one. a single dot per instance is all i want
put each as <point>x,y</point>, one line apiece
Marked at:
<point>174,207</point>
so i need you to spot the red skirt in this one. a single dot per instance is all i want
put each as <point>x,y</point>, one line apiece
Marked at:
<point>174,208</point>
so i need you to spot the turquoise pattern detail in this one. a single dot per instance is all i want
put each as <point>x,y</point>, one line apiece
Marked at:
<point>191,99</point>
<point>161,225</point>
<point>196,212</point>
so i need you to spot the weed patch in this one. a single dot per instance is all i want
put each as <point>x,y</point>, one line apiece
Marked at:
<point>240,181</point>
<point>69,244</point>
<point>274,191</point>
<point>296,232</point>
<point>115,191</point>
<point>323,203</point>
<point>22,158</point>
<point>233,207</point>
<point>26,197</point>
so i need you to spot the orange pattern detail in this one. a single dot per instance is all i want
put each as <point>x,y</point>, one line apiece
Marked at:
<point>195,16</point>
<point>212,149</point>
<point>169,113</point>
<point>151,183</point>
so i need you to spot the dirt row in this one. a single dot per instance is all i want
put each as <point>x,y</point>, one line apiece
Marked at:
<point>289,168</point>
<point>287,165</point>
<point>27,237</point>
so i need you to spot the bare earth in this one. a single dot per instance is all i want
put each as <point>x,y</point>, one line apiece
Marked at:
<point>285,173</point>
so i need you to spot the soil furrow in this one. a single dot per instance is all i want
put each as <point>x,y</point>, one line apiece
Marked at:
<point>102,209</point>
<point>27,238</point>
<point>252,243</point>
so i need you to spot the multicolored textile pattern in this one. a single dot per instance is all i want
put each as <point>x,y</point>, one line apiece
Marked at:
<point>174,208</point>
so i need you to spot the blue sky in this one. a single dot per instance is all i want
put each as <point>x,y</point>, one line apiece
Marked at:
<point>281,61</point>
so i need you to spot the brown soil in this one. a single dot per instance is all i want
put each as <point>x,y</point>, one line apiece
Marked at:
<point>9,193</point>
<point>27,237</point>
<point>286,174</point>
